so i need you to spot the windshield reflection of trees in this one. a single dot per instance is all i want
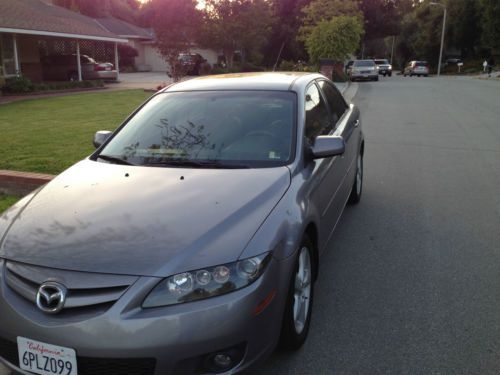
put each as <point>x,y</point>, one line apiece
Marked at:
<point>175,142</point>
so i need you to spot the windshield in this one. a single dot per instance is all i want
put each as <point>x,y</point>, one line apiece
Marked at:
<point>364,63</point>
<point>209,129</point>
<point>381,62</point>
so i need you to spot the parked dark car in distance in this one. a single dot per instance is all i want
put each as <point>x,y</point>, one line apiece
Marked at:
<point>192,63</point>
<point>189,242</point>
<point>64,67</point>
<point>348,67</point>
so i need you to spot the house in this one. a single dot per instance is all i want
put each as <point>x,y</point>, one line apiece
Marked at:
<point>143,40</point>
<point>32,29</point>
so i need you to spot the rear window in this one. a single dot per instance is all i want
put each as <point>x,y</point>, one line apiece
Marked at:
<point>364,63</point>
<point>421,63</point>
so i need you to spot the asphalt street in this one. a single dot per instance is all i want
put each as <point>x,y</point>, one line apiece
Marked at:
<point>410,282</point>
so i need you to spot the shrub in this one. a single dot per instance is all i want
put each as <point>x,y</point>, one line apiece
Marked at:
<point>287,66</point>
<point>19,85</point>
<point>249,67</point>
<point>237,68</point>
<point>16,85</point>
<point>339,76</point>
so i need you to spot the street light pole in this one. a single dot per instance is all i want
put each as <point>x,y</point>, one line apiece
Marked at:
<point>442,36</point>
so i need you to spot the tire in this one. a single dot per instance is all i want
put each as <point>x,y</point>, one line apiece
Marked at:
<point>357,187</point>
<point>376,79</point>
<point>390,74</point>
<point>297,316</point>
<point>404,75</point>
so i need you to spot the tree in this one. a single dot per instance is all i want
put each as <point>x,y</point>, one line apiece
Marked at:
<point>334,39</point>
<point>231,25</point>
<point>325,10</point>
<point>464,26</point>
<point>282,40</point>
<point>175,24</point>
<point>490,23</point>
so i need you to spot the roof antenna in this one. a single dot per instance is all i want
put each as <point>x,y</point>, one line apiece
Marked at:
<point>279,55</point>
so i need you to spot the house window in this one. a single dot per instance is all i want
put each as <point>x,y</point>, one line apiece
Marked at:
<point>7,62</point>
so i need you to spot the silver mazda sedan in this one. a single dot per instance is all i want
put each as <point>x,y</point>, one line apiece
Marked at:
<point>190,241</point>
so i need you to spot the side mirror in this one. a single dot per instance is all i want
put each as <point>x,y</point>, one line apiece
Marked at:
<point>326,146</point>
<point>100,137</point>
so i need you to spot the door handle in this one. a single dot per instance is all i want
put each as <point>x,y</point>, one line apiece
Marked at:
<point>356,123</point>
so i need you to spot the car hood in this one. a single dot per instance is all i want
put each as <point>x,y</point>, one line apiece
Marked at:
<point>99,217</point>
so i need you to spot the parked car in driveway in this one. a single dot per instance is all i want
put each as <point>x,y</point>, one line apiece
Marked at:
<point>189,242</point>
<point>348,67</point>
<point>416,68</point>
<point>64,67</point>
<point>364,69</point>
<point>384,67</point>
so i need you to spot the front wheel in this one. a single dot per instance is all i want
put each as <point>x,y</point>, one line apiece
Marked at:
<point>357,187</point>
<point>298,307</point>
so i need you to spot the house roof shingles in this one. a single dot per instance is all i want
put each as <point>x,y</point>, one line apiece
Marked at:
<point>125,29</point>
<point>44,18</point>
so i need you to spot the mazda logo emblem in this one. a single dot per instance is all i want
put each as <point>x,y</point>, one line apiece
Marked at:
<point>51,297</point>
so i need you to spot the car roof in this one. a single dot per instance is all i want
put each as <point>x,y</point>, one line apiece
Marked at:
<point>282,81</point>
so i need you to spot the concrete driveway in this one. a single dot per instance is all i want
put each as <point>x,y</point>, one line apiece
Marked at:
<point>142,80</point>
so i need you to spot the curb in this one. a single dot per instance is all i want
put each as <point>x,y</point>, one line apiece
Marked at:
<point>21,183</point>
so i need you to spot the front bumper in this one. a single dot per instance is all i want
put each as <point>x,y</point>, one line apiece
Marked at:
<point>173,340</point>
<point>386,71</point>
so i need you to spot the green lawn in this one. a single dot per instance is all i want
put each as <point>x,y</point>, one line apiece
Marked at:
<point>50,134</point>
<point>6,201</point>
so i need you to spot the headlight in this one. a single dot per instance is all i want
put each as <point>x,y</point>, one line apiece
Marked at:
<point>207,282</point>
<point>390,67</point>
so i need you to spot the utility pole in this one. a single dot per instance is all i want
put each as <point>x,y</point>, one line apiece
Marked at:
<point>442,36</point>
<point>392,49</point>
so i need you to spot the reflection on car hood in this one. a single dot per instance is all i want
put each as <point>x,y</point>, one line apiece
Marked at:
<point>100,217</point>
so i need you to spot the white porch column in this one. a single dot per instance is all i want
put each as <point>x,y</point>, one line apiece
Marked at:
<point>78,62</point>
<point>117,66</point>
<point>16,55</point>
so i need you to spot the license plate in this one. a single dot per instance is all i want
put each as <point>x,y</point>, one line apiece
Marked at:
<point>46,359</point>
<point>108,68</point>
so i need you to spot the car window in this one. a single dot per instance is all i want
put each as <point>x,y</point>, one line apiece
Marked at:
<point>364,63</point>
<point>254,128</point>
<point>381,62</point>
<point>317,116</point>
<point>335,101</point>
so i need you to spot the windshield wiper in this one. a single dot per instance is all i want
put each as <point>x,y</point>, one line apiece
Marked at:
<point>114,159</point>
<point>198,164</point>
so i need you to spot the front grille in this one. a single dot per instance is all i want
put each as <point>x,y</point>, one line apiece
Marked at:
<point>92,366</point>
<point>85,290</point>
